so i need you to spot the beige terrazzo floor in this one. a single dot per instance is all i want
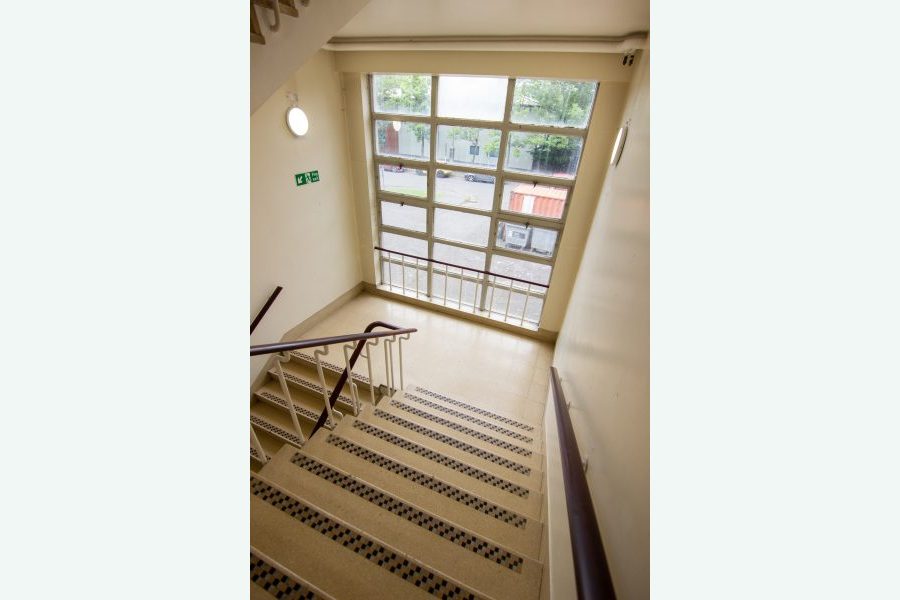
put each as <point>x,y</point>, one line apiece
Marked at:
<point>487,366</point>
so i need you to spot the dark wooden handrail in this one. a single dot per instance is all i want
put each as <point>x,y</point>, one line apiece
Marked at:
<point>262,312</point>
<point>440,262</point>
<point>592,576</point>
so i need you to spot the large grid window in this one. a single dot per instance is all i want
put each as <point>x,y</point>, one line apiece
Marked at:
<point>474,178</point>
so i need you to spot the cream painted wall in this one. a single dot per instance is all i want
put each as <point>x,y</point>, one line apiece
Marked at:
<point>603,357</point>
<point>605,68</point>
<point>302,238</point>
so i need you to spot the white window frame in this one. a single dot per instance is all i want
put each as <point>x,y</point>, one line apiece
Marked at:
<point>501,176</point>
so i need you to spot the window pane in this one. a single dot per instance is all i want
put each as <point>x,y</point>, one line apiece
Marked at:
<point>482,98</point>
<point>553,102</point>
<point>461,227</point>
<point>402,243</point>
<point>468,145</point>
<point>543,153</point>
<point>534,199</point>
<point>523,269</point>
<point>405,217</point>
<point>403,139</point>
<point>471,190</point>
<point>403,94</point>
<point>533,240</point>
<point>459,256</point>
<point>403,180</point>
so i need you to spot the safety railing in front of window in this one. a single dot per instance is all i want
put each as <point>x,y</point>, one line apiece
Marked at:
<point>500,297</point>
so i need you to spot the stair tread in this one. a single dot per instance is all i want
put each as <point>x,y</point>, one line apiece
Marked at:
<point>488,485</point>
<point>263,422</point>
<point>467,451</point>
<point>500,523</point>
<point>514,436</point>
<point>307,359</point>
<point>332,554</point>
<point>306,407</point>
<point>465,556</point>
<point>513,422</point>
<point>269,579</point>
<point>493,443</point>
<point>301,379</point>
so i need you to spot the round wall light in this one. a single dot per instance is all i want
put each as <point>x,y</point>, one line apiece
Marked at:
<point>297,121</point>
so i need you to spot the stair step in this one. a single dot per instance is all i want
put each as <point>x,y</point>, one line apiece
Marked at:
<point>515,471</point>
<point>477,562</point>
<point>268,579</point>
<point>416,414</point>
<point>428,405</point>
<point>300,381</point>
<point>470,407</point>
<point>450,502</point>
<point>301,407</point>
<point>308,359</point>
<point>335,556</point>
<point>275,430</point>
<point>488,485</point>
<point>255,455</point>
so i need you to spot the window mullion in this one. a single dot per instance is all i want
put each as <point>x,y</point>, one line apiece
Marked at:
<point>432,174</point>
<point>498,185</point>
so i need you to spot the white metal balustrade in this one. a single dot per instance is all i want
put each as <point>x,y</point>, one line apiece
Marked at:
<point>499,297</point>
<point>352,347</point>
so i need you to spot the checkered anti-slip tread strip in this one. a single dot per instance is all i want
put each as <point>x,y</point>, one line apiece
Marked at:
<point>442,459</point>
<point>462,429</point>
<point>277,582</point>
<point>255,455</point>
<point>314,388</point>
<point>328,366</point>
<point>301,410</point>
<point>469,418</point>
<point>458,444</point>
<point>475,409</point>
<point>427,481</point>
<point>275,430</point>
<point>410,570</point>
<point>413,515</point>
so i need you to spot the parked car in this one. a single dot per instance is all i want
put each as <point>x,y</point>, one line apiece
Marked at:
<point>393,168</point>
<point>440,173</point>
<point>479,177</point>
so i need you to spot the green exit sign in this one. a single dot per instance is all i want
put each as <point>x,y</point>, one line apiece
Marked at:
<point>304,178</point>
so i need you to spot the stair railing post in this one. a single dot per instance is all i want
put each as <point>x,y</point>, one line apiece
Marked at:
<point>329,420</point>
<point>254,443</point>
<point>400,354</point>
<point>280,358</point>
<point>368,350</point>
<point>354,395</point>
<point>389,365</point>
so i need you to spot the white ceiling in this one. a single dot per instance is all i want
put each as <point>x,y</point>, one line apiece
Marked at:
<point>499,17</point>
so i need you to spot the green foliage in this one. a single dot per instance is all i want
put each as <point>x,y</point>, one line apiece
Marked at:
<point>403,94</point>
<point>552,102</point>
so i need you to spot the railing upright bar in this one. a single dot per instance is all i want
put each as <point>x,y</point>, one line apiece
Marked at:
<point>403,268</point>
<point>387,368</point>
<point>254,443</point>
<point>354,395</point>
<point>390,268</point>
<point>368,350</point>
<point>490,306</point>
<point>524,308</point>
<point>508,299</point>
<point>400,354</point>
<point>329,421</point>
<point>445,285</point>
<point>417,279</point>
<point>462,280</point>
<point>279,358</point>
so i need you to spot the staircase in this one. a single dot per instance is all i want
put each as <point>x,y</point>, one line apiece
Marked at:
<point>278,9</point>
<point>411,493</point>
